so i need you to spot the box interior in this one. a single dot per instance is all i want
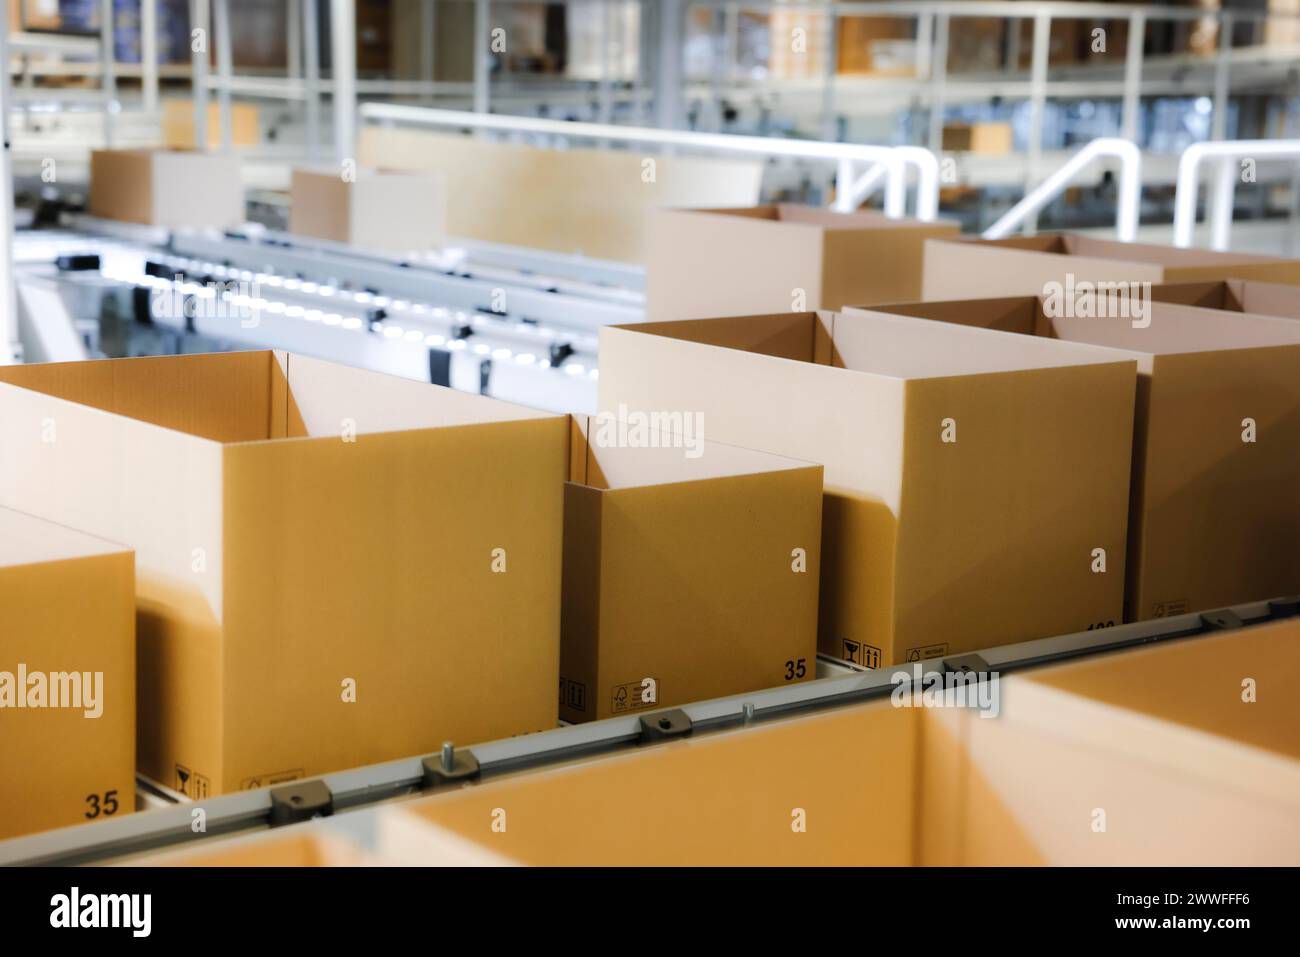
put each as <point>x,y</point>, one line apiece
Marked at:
<point>609,467</point>
<point>1173,328</point>
<point>258,396</point>
<point>889,345</point>
<point>799,214</point>
<point>25,540</point>
<point>1073,244</point>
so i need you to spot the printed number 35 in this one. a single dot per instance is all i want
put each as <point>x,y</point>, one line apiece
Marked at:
<point>796,669</point>
<point>107,808</point>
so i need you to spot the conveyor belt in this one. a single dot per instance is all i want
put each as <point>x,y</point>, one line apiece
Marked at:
<point>343,790</point>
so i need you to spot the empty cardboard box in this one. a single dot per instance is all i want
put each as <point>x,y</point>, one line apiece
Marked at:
<point>1024,266</point>
<point>784,258</point>
<point>169,188</point>
<point>67,676</point>
<point>576,200</point>
<point>976,487</point>
<point>1216,463</point>
<point>178,124</point>
<point>690,569</point>
<point>382,209</point>
<point>1077,768</point>
<point>334,567</point>
<point>1233,295</point>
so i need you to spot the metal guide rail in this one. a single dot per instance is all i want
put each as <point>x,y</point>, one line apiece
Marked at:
<point>340,791</point>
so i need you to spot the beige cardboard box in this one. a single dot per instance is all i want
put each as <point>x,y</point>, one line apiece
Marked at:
<point>690,569</point>
<point>970,477</point>
<point>384,209</point>
<point>310,844</point>
<point>334,567</point>
<point>987,139</point>
<point>588,201</point>
<point>735,262</point>
<point>67,676</point>
<point>167,188</point>
<point>1234,295</point>
<point>178,124</point>
<point>976,268</point>
<point>1216,464</point>
<point>936,786</point>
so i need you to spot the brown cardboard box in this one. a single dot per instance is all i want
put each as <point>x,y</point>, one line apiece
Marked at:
<point>1234,295</point>
<point>178,124</point>
<point>974,268</point>
<point>167,188</point>
<point>526,196</point>
<point>690,569</point>
<point>305,845</point>
<point>929,546</point>
<point>1071,772</point>
<point>383,209</point>
<point>730,262</point>
<point>987,139</point>
<point>1215,518</point>
<point>334,567</point>
<point>67,676</point>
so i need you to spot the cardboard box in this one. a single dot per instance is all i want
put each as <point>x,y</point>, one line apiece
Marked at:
<point>690,569</point>
<point>1216,463</point>
<point>334,567</point>
<point>974,268</point>
<point>987,139</point>
<point>167,188</point>
<point>383,209</point>
<point>1062,776</point>
<point>305,845</point>
<point>178,124</point>
<point>945,527</point>
<point>587,201</point>
<point>728,262</point>
<point>1234,295</point>
<point>67,676</point>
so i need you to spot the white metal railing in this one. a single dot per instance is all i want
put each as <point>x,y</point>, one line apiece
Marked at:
<point>851,185</point>
<point>1228,153</point>
<point>1127,205</point>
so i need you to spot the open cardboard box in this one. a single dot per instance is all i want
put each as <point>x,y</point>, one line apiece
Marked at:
<point>1094,763</point>
<point>971,477</point>
<point>589,201</point>
<point>171,188</point>
<point>384,209</point>
<point>333,567</point>
<point>746,261</point>
<point>1233,295</point>
<point>690,571</point>
<point>312,844</point>
<point>1216,460</point>
<point>67,676</point>
<point>1024,266</point>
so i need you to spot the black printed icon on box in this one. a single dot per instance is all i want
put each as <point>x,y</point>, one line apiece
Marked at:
<point>269,780</point>
<point>193,786</point>
<point>859,653</point>
<point>573,694</point>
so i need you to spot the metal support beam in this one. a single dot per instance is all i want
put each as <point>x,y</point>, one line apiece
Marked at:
<point>343,40</point>
<point>1037,107</point>
<point>108,68</point>
<point>426,40</point>
<point>1130,125</point>
<point>1222,81</point>
<point>225,69</point>
<point>938,78</point>
<point>482,56</point>
<point>10,349</point>
<point>200,38</point>
<point>293,40</point>
<point>669,81</point>
<point>311,75</point>
<point>149,54</point>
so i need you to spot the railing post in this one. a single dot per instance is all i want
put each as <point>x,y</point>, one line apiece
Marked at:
<point>938,79</point>
<point>1137,26</point>
<point>1222,83</point>
<point>199,47</point>
<point>1037,107</point>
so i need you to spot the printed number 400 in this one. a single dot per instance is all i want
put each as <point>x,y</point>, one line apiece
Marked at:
<point>796,669</point>
<point>107,806</point>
